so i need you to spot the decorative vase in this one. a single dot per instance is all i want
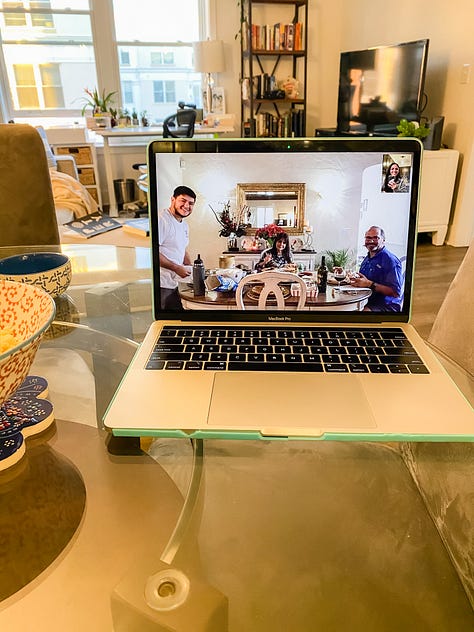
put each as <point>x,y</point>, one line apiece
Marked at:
<point>232,244</point>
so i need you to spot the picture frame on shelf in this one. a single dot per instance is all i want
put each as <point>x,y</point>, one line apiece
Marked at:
<point>218,100</point>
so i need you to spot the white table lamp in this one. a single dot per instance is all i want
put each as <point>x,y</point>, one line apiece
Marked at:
<point>209,58</point>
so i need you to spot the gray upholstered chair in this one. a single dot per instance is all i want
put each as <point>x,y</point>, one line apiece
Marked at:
<point>27,211</point>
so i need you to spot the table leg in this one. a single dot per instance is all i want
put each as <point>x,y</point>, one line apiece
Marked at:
<point>113,209</point>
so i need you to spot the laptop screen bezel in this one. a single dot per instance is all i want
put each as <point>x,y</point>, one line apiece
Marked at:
<point>289,145</point>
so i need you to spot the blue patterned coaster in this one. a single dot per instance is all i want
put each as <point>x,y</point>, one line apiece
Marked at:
<point>24,414</point>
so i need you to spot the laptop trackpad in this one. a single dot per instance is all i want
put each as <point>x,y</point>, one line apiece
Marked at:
<point>276,403</point>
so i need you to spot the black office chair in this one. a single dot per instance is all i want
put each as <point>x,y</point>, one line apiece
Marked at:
<point>181,124</point>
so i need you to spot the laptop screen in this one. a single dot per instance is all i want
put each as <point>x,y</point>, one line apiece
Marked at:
<point>338,214</point>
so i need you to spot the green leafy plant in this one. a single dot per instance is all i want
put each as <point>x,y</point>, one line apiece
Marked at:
<point>410,128</point>
<point>100,103</point>
<point>339,258</point>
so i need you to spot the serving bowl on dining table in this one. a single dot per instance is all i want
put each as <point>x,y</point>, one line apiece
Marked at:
<point>50,271</point>
<point>26,313</point>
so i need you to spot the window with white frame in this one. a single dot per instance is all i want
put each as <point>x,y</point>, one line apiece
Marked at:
<point>161,54</point>
<point>49,56</point>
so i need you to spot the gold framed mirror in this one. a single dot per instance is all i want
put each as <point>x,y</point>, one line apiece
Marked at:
<point>280,203</point>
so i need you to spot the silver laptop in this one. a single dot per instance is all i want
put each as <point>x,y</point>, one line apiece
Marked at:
<point>343,363</point>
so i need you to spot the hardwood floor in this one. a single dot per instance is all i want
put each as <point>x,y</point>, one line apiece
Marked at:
<point>435,268</point>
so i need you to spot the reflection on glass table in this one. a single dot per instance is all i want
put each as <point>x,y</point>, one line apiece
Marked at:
<point>110,288</point>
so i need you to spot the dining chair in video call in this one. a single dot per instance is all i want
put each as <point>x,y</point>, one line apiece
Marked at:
<point>271,289</point>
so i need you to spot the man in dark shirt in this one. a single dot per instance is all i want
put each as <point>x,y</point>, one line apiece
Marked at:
<point>381,271</point>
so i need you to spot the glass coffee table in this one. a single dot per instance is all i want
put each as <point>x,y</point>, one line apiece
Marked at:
<point>217,535</point>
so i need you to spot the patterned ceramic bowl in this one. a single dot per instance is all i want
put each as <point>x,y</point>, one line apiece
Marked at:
<point>26,313</point>
<point>50,271</point>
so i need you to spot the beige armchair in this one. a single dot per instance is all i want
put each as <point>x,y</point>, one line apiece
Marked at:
<point>453,329</point>
<point>27,211</point>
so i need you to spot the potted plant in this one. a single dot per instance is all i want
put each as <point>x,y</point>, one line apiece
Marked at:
<point>101,104</point>
<point>342,258</point>
<point>233,223</point>
<point>114,115</point>
<point>413,128</point>
<point>124,118</point>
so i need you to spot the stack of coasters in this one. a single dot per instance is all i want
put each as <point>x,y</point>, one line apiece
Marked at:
<point>23,414</point>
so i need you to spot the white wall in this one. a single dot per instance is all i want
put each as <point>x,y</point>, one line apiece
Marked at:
<point>336,25</point>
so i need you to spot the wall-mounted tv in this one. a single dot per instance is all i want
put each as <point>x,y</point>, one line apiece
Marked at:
<point>380,86</point>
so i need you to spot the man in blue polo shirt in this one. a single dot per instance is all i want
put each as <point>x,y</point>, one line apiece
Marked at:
<point>381,271</point>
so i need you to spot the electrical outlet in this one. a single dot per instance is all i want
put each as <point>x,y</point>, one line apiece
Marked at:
<point>465,73</point>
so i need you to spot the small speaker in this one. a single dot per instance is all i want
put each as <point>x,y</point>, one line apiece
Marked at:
<point>433,140</point>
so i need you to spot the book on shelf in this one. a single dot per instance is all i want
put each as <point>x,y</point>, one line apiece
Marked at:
<point>139,226</point>
<point>91,225</point>
<point>267,124</point>
<point>279,37</point>
<point>289,36</point>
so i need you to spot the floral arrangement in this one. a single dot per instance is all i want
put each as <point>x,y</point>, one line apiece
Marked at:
<point>232,222</point>
<point>269,232</point>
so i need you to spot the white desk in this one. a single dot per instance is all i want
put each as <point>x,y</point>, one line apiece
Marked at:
<point>137,132</point>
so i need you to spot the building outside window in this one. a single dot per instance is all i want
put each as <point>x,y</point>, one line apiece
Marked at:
<point>157,58</point>
<point>164,92</point>
<point>48,56</point>
<point>43,20</point>
<point>127,92</point>
<point>161,55</point>
<point>125,58</point>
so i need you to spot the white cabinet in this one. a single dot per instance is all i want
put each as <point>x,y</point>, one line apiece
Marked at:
<point>86,162</point>
<point>249,259</point>
<point>438,175</point>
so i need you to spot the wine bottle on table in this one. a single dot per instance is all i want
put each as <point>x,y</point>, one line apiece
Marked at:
<point>322,276</point>
<point>198,277</point>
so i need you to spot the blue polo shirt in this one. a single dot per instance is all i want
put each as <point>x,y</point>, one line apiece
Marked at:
<point>384,268</point>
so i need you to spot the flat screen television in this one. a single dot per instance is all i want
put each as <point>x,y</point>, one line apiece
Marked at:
<point>380,86</point>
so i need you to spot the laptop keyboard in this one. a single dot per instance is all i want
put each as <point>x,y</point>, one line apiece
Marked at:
<point>328,349</point>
